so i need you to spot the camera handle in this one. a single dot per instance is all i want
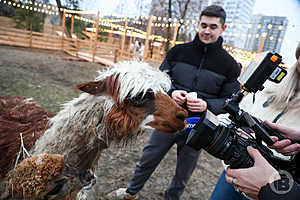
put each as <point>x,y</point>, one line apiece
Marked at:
<point>242,118</point>
<point>260,133</point>
<point>274,133</point>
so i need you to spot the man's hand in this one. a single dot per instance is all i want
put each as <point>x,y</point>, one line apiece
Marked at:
<point>179,96</point>
<point>251,180</point>
<point>196,105</point>
<point>285,146</point>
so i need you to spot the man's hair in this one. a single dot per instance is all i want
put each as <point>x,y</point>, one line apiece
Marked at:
<point>214,11</point>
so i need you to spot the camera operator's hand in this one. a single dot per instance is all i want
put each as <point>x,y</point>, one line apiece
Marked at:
<point>179,96</point>
<point>285,146</point>
<point>251,180</point>
<point>196,105</point>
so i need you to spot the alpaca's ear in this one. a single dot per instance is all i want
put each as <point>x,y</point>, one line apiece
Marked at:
<point>94,88</point>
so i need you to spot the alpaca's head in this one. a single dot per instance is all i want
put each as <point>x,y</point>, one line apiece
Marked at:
<point>140,98</point>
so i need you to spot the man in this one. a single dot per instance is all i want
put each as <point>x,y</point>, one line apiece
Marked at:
<point>257,181</point>
<point>201,66</point>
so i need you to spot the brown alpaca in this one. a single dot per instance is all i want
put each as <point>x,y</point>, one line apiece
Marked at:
<point>113,108</point>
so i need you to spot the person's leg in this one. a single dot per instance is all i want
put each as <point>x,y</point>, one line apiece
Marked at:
<point>225,191</point>
<point>187,159</point>
<point>154,151</point>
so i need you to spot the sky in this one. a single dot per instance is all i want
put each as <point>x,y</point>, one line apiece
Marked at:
<point>288,8</point>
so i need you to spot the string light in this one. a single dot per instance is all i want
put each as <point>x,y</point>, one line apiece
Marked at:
<point>259,26</point>
<point>269,26</point>
<point>49,9</point>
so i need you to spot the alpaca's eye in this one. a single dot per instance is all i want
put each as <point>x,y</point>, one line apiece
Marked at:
<point>149,95</point>
<point>141,99</point>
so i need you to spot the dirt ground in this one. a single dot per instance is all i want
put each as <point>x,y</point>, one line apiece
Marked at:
<point>49,78</point>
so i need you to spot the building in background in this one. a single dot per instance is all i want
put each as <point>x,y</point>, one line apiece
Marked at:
<point>239,13</point>
<point>217,2</point>
<point>266,33</point>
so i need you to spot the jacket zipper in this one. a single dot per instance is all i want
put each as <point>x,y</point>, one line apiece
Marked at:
<point>199,68</point>
<point>203,58</point>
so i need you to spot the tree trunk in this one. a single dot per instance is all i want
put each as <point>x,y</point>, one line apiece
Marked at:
<point>61,13</point>
<point>169,25</point>
<point>183,16</point>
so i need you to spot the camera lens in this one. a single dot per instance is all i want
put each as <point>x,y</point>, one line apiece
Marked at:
<point>220,141</point>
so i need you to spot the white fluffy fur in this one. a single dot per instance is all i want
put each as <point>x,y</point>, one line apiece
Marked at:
<point>79,127</point>
<point>137,77</point>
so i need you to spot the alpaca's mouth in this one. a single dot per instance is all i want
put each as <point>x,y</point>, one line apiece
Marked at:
<point>171,128</point>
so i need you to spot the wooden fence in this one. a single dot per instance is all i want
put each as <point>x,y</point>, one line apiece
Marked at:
<point>90,49</point>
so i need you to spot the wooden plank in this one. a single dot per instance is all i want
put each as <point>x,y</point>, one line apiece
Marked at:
<point>22,35</point>
<point>14,30</point>
<point>70,39</point>
<point>85,51</point>
<point>46,40</point>
<point>104,52</point>
<point>45,43</point>
<point>45,47</point>
<point>71,49</point>
<point>16,39</point>
<point>46,35</point>
<point>12,43</point>
<point>83,43</point>
<point>104,45</point>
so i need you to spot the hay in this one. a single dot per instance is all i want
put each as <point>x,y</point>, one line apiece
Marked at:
<point>31,177</point>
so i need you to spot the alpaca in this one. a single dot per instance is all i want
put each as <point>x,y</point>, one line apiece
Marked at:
<point>116,107</point>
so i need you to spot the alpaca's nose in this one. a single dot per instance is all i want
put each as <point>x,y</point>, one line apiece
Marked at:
<point>181,115</point>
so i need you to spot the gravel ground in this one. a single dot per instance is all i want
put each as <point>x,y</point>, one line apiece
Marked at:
<point>49,78</point>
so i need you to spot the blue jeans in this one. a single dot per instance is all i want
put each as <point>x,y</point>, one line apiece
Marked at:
<point>154,151</point>
<point>225,191</point>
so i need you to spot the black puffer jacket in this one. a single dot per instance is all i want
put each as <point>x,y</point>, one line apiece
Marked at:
<point>203,68</point>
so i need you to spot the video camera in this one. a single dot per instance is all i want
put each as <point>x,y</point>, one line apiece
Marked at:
<point>226,142</point>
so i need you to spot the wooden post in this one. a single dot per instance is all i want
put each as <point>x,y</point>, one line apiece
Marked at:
<point>77,46</point>
<point>175,35</point>
<point>30,35</point>
<point>134,39</point>
<point>63,30</point>
<point>116,56</point>
<point>123,38</point>
<point>30,39</point>
<point>147,37</point>
<point>72,25</point>
<point>262,41</point>
<point>130,42</point>
<point>96,35</point>
<point>110,41</point>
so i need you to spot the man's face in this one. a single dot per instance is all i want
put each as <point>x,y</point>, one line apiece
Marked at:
<point>209,29</point>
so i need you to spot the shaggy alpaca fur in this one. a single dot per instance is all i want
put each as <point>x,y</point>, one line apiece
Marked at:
<point>79,130</point>
<point>19,115</point>
<point>113,109</point>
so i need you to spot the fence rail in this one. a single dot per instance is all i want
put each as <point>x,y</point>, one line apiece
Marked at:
<point>107,51</point>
